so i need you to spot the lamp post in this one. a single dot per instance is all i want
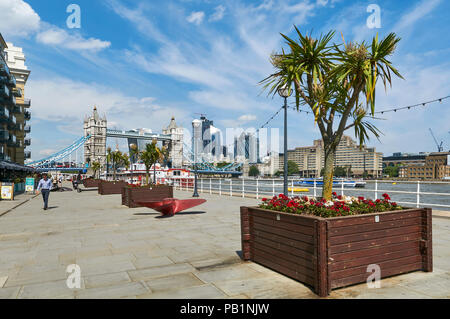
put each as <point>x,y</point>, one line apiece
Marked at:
<point>196,125</point>
<point>285,92</point>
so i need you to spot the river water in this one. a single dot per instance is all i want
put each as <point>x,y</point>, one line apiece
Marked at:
<point>268,187</point>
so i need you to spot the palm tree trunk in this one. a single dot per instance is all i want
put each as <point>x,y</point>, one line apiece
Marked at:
<point>146,175</point>
<point>154,173</point>
<point>330,154</point>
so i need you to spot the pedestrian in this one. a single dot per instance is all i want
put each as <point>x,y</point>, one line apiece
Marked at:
<point>44,186</point>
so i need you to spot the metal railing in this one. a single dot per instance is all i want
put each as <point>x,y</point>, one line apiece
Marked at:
<point>413,193</point>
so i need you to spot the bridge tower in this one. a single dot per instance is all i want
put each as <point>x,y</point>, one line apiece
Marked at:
<point>95,147</point>
<point>175,145</point>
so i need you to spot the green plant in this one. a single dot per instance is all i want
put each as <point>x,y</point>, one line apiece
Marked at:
<point>95,168</point>
<point>117,159</point>
<point>253,171</point>
<point>330,79</point>
<point>150,156</point>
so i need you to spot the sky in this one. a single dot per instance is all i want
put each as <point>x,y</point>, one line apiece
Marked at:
<point>143,61</point>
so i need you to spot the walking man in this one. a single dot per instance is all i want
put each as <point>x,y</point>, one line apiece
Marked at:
<point>44,186</point>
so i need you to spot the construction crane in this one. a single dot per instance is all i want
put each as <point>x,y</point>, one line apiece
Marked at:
<point>439,146</point>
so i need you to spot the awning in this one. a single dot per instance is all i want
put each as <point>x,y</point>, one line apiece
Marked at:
<point>15,167</point>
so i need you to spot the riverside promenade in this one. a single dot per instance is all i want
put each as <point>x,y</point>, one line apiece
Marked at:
<point>133,253</point>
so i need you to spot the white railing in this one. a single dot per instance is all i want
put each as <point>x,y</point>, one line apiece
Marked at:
<point>414,193</point>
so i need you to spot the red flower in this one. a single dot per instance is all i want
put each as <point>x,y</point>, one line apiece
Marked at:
<point>264,199</point>
<point>334,194</point>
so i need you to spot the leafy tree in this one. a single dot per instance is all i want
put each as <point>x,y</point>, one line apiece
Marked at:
<point>150,156</point>
<point>337,82</point>
<point>392,171</point>
<point>95,168</point>
<point>117,159</point>
<point>292,168</point>
<point>253,171</point>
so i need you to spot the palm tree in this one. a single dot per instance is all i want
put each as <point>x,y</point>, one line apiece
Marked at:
<point>150,156</point>
<point>117,159</point>
<point>95,167</point>
<point>334,81</point>
<point>134,156</point>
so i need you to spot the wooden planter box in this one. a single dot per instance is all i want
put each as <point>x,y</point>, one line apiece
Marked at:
<point>131,195</point>
<point>90,182</point>
<point>108,188</point>
<point>328,253</point>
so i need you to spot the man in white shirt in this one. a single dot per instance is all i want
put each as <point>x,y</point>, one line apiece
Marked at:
<point>44,186</point>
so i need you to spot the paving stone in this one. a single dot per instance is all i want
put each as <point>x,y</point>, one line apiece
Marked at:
<point>174,282</point>
<point>227,273</point>
<point>197,292</point>
<point>161,271</point>
<point>110,292</point>
<point>3,280</point>
<point>9,293</point>
<point>147,262</point>
<point>104,280</point>
<point>53,290</point>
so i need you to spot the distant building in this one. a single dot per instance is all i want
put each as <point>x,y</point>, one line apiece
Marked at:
<point>246,147</point>
<point>207,141</point>
<point>95,147</point>
<point>436,166</point>
<point>310,159</point>
<point>402,159</point>
<point>175,146</point>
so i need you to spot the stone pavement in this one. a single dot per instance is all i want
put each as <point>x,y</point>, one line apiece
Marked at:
<point>7,205</point>
<point>133,253</point>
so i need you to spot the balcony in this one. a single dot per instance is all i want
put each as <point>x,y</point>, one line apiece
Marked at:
<point>12,81</point>
<point>26,103</point>
<point>27,129</point>
<point>4,114</point>
<point>4,136</point>
<point>4,91</point>
<point>27,142</point>
<point>27,154</point>
<point>17,92</point>
<point>4,70</point>
<point>13,126</point>
<point>27,115</point>
<point>12,141</point>
<point>16,110</point>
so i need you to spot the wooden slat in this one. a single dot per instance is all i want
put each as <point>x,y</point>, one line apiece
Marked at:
<point>283,262</point>
<point>283,232</point>
<point>285,247</point>
<point>338,240</point>
<point>367,219</point>
<point>307,263</point>
<point>375,259</point>
<point>385,273</point>
<point>364,228</point>
<point>374,243</point>
<point>285,217</point>
<point>373,251</point>
<point>285,225</point>
<point>272,264</point>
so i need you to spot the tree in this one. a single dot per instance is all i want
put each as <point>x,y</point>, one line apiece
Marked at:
<point>150,156</point>
<point>117,159</point>
<point>392,171</point>
<point>95,167</point>
<point>253,171</point>
<point>292,168</point>
<point>337,82</point>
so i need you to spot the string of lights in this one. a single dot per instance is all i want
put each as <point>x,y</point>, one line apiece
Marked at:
<point>392,109</point>
<point>270,119</point>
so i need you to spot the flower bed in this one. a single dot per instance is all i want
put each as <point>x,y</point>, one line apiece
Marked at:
<point>108,188</point>
<point>331,245</point>
<point>339,206</point>
<point>131,194</point>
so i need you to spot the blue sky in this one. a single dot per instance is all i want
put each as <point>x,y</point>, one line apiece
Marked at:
<point>142,62</point>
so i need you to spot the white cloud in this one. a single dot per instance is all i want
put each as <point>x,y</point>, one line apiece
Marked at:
<point>17,18</point>
<point>421,10</point>
<point>65,102</point>
<point>196,17</point>
<point>218,14</point>
<point>247,118</point>
<point>55,36</point>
